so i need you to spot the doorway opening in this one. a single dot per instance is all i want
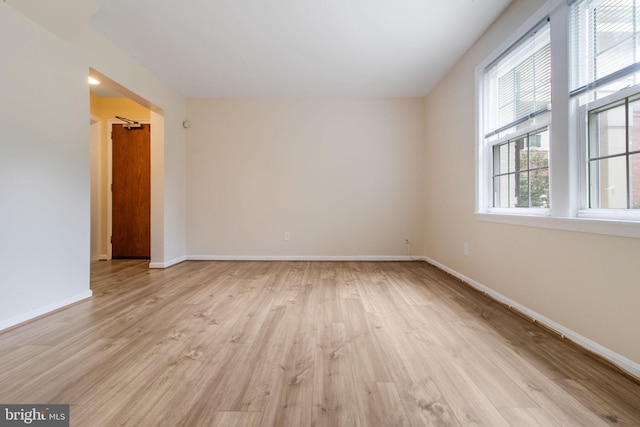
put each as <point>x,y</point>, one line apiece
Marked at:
<point>116,230</point>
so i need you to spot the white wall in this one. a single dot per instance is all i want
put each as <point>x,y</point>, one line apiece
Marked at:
<point>343,176</point>
<point>44,171</point>
<point>45,158</point>
<point>587,283</point>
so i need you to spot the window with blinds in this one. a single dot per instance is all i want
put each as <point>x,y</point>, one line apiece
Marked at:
<point>604,47</point>
<point>518,85</point>
<point>604,83</point>
<point>517,114</point>
<point>584,162</point>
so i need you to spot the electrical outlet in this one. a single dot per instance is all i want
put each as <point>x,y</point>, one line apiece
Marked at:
<point>406,242</point>
<point>465,249</point>
<point>287,236</point>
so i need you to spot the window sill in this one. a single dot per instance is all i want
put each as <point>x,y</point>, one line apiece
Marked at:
<point>624,228</point>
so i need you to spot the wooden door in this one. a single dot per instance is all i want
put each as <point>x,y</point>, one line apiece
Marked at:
<point>131,192</point>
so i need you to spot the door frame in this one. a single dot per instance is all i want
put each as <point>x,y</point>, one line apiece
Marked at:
<point>97,222</point>
<point>110,124</point>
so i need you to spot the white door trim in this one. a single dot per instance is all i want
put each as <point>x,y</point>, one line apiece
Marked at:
<point>95,124</point>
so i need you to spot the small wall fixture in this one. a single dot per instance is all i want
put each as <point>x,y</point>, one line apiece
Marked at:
<point>186,124</point>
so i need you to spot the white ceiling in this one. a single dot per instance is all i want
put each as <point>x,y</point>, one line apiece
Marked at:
<point>295,48</point>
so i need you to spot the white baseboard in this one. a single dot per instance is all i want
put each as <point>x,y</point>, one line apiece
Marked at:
<point>300,258</point>
<point>103,257</point>
<point>285,258</point>
<point>618,360</point>
<point>44,310</point>
<point>167,264</point>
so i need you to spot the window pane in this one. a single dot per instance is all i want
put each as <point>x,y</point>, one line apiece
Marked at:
<point>543,77</point>
<point>539,188</point>
<point>520,154</point>
<point>519,83</point>
<point>515,185</point>
<point>634,126</point>
<point>614,36</point>
<point>539,150</point>
<point>616,58</point>
<point>522,184</point>
<point>504,157</point>
<point>608,132</point>
<point>504,191</point>
<point>613,24</point>
<point>506,97</point>
<point>608,182</point>
<point>501,161</point>
<point>634,180</point>
<point>603,38</point>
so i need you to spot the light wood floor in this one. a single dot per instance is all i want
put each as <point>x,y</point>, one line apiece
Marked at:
<point>303,344</point>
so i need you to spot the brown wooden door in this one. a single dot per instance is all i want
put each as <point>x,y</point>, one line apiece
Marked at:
<point>131,192</point>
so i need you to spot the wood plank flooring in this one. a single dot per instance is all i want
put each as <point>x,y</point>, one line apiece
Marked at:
<point>303,344</point>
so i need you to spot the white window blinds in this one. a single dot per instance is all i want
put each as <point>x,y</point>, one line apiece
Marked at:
<point>604,45</point>
<point>518,83</point>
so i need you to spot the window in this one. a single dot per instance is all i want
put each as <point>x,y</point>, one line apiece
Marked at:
<point>517,94</point>
<point>604,47</point>
<point>582,166</point>
<point>605,72</point>
<point>614,155</point>
<point>521,171</point>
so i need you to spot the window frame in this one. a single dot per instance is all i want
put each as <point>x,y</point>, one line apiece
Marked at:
<point>585,110</point>
<point>525,133</point>
<point>484,146</point>
<point>581,138</point>
<point>568,164</point>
